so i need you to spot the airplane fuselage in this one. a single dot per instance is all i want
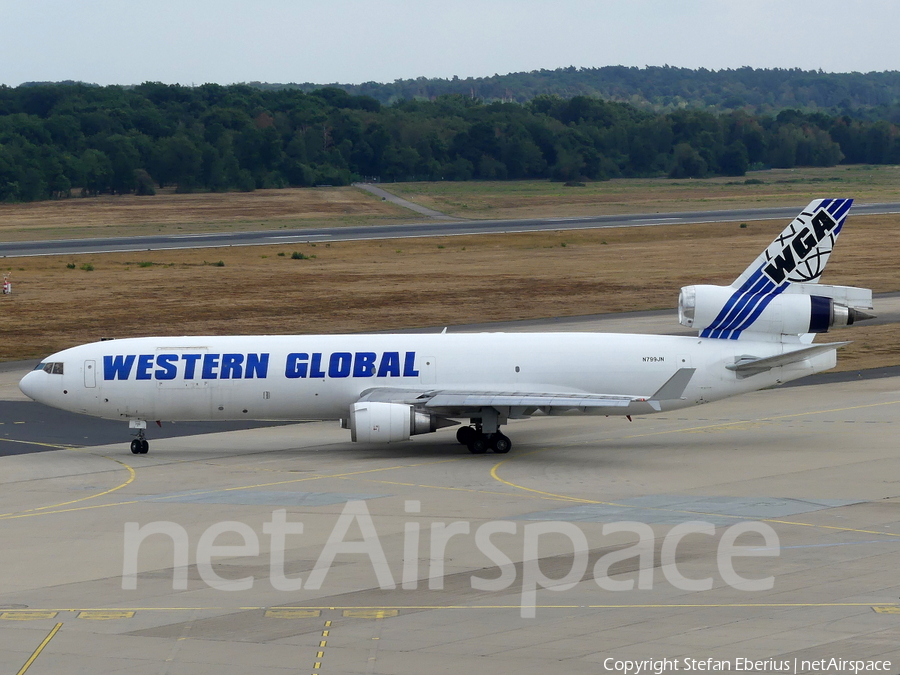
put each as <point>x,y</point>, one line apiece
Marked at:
<point>320,377</point>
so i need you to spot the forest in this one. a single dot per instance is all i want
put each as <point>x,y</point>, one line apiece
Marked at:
<point>873,95</point>
<point>70,139</point>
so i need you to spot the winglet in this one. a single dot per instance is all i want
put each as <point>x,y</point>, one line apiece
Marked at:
<point>673,388</point>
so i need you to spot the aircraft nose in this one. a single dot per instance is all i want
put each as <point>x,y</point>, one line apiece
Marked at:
<point>32,384</point>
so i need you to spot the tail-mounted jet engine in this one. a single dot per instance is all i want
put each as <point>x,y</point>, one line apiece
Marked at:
<point>801,308</point>
<point>378,422</point>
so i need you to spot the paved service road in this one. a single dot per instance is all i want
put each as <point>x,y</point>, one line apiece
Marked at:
<point>399,201</point>
<point>427,229</point>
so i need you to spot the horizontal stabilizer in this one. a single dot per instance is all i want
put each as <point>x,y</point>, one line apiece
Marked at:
<point>751,365</point>
<point>848,296</point>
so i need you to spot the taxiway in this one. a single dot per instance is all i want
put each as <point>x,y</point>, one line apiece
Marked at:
<point>817,464</point>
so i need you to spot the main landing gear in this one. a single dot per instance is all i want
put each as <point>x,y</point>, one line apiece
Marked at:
<point>479,442</point>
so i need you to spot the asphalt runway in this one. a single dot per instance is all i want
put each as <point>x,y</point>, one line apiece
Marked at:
<point>813,469</point>
<point>431,228</point>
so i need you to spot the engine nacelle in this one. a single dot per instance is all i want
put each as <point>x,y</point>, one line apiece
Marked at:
<point>791,313</point>
<point>378,422</point>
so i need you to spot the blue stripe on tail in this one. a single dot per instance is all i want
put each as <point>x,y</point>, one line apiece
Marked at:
<point>750,300</point>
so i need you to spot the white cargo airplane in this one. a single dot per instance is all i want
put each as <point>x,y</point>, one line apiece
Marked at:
<point>755,333</point>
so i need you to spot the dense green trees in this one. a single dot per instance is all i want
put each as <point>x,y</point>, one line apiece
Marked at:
<point>758,91</point>
<point>55,139</point>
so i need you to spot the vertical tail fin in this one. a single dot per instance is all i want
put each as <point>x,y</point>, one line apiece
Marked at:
<point>800,252</point>
<point>798,255</point>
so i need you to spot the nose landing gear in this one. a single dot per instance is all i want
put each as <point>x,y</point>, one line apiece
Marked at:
<point>139,446</point>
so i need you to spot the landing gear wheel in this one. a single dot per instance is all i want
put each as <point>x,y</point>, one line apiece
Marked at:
<point>464,435</point>
<point>140,446</point>
<point>478,445</point>
<point>500,443</point>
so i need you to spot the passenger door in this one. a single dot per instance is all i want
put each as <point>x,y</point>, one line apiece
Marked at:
<point>90,374</point>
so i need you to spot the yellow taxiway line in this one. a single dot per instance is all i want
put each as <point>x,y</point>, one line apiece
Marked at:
<point>578,500</point>
<point>40,648</point>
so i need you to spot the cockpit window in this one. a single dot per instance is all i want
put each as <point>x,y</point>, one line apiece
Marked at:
<point>40,366</point>
<point>53,368</point>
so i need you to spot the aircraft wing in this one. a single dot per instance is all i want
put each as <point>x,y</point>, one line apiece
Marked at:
<point>455,403</point>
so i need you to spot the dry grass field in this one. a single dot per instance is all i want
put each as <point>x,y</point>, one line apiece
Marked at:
<point>543,199</point>
<point>124,215</point>
<point>392,284</point>
<point>170,213</point>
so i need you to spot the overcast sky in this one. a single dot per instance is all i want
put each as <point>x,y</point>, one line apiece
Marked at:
<point>352,41</point>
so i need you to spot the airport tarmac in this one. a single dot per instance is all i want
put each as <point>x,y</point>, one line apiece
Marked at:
<point>817,464</point>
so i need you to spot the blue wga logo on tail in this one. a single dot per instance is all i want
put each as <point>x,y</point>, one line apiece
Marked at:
<point>798,255</point>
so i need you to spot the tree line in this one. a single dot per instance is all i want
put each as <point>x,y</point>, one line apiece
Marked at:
<point>874,95</point>
<point>65,139</point>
